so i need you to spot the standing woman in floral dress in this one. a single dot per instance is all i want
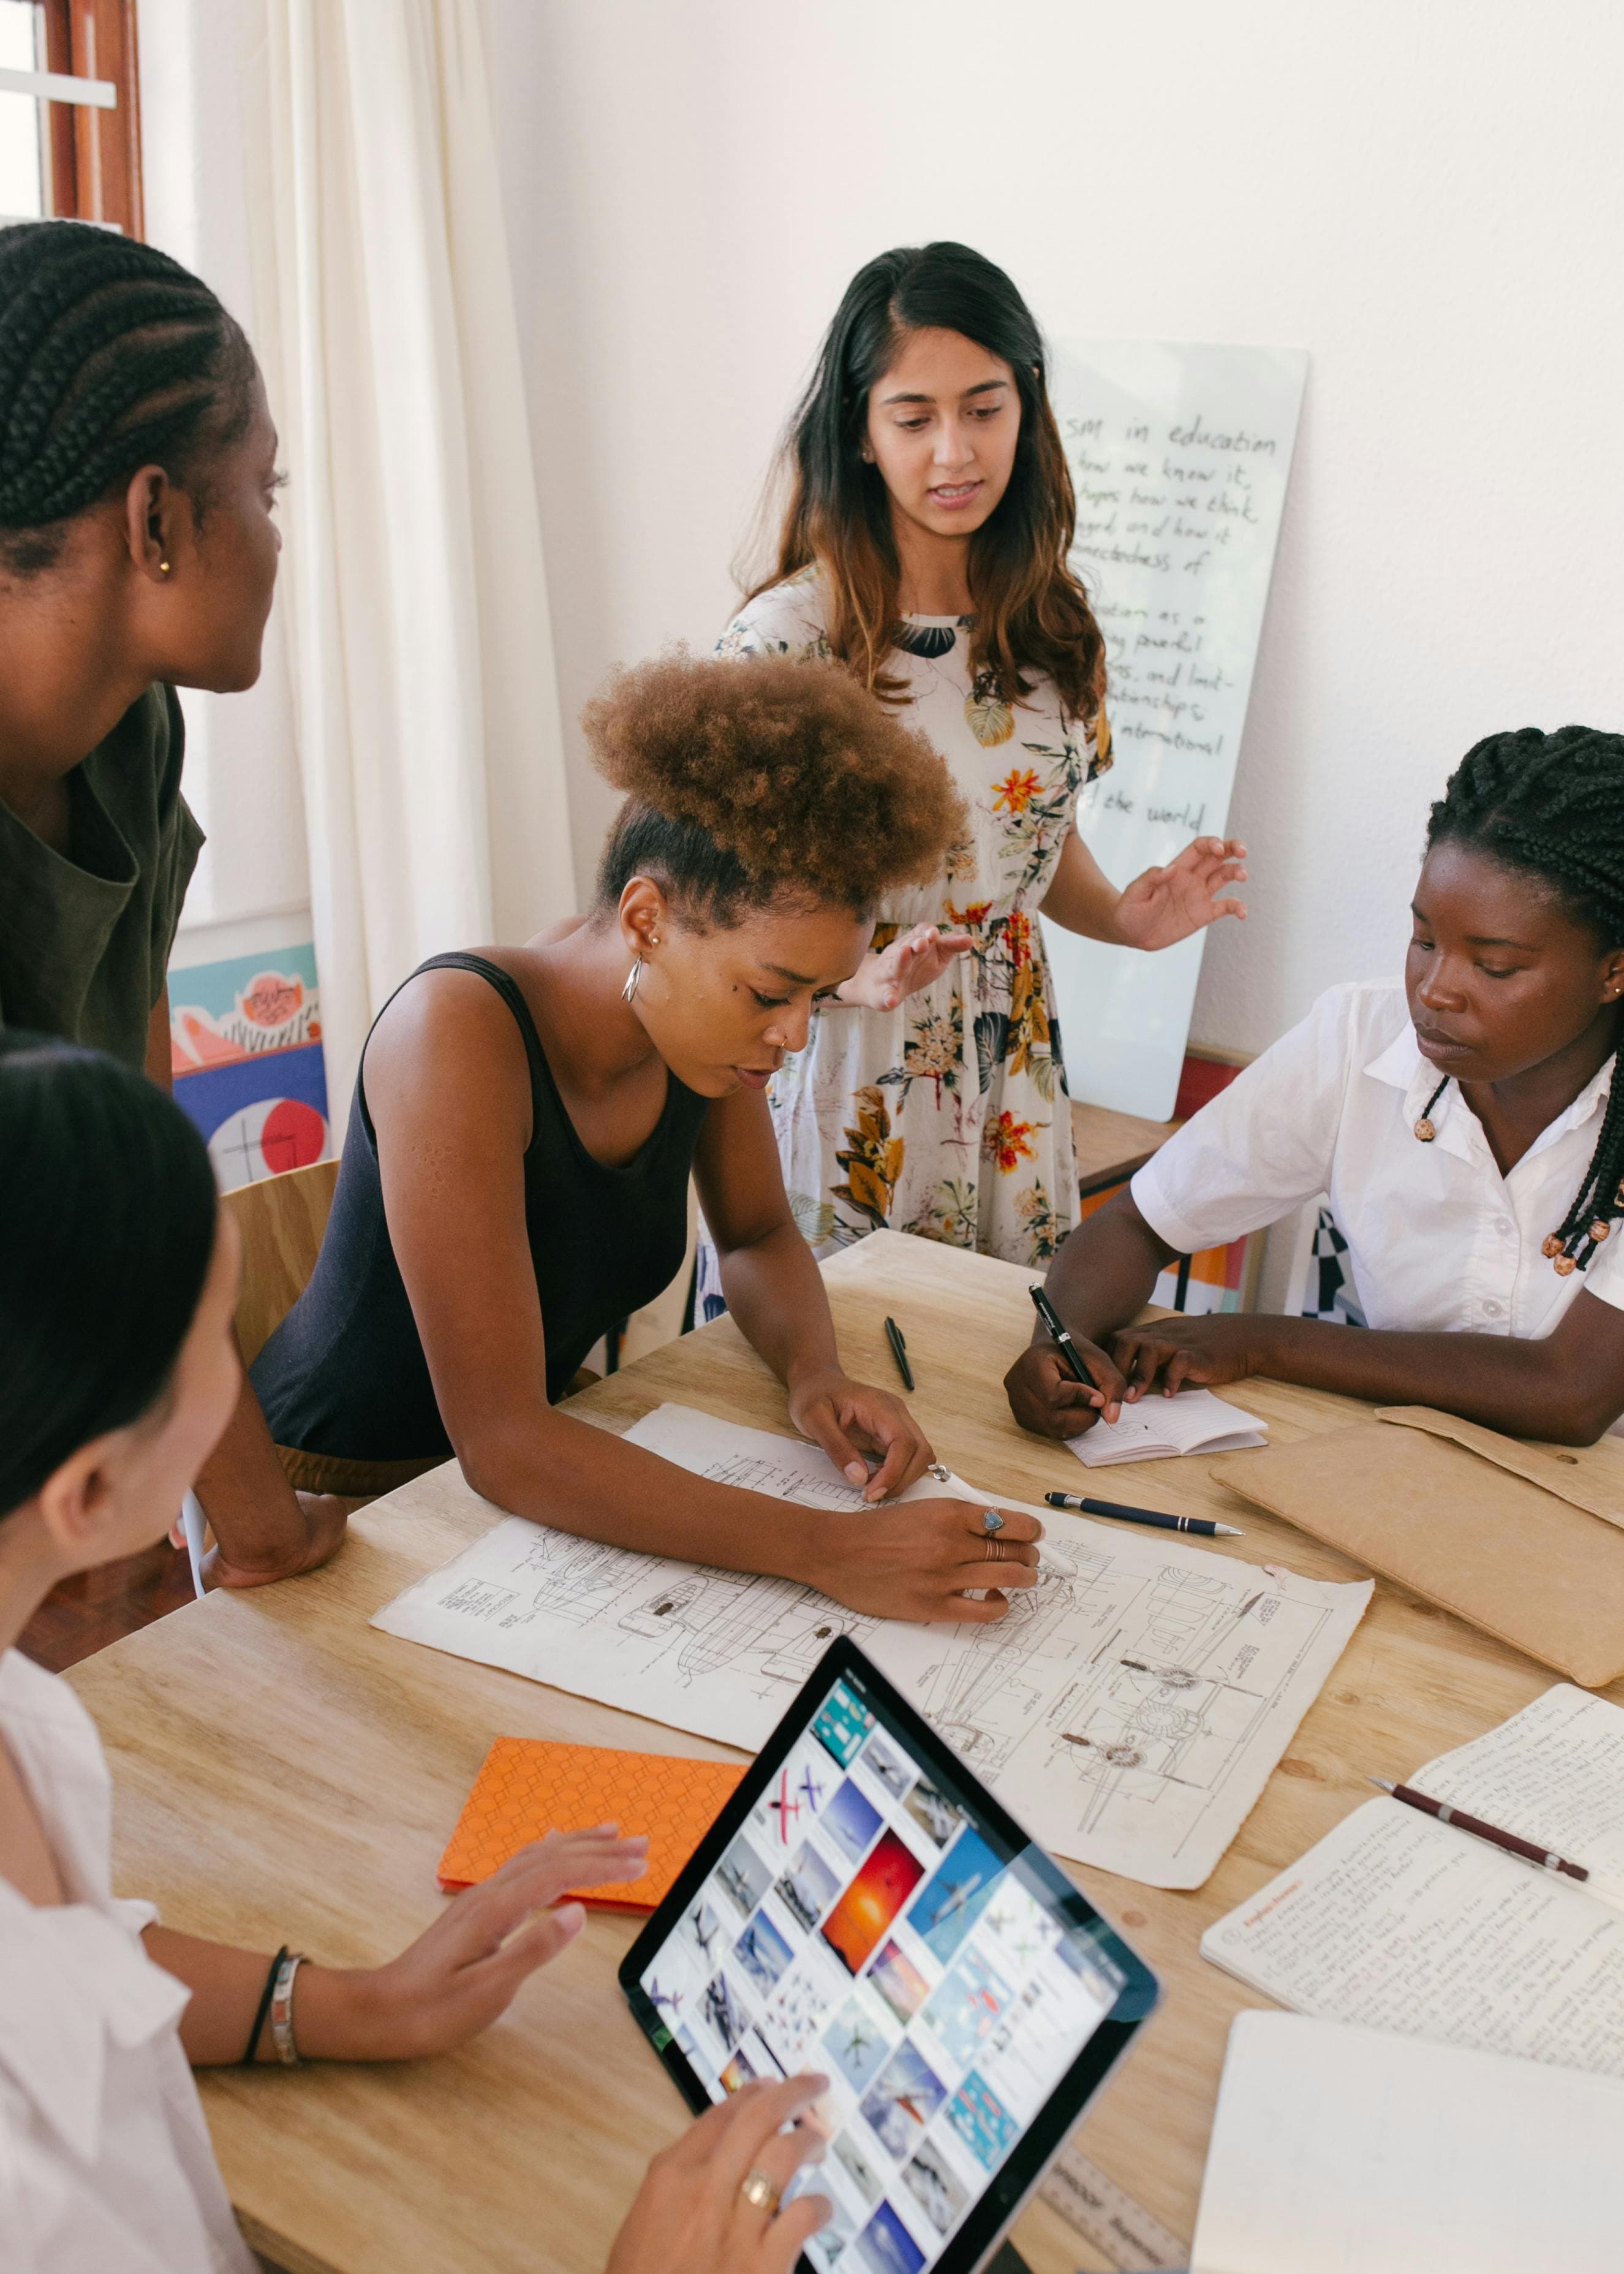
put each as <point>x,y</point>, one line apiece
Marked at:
<point>925,546</point>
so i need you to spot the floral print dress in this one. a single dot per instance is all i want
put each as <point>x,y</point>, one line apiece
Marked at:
<point>947,1117</point>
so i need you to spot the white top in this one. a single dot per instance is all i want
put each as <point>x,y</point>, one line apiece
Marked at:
<point>1437,1239</point>
<point>105,2161</point>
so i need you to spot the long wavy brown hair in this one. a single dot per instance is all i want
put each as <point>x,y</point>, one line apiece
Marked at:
<point>1032,612</point>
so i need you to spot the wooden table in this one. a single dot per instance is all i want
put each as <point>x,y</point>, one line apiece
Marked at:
<point>1111,1146</point>
<point>287,1774</point>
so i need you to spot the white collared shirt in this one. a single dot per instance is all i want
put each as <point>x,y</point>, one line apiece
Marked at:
<point>1437,1239</point>
<point>105,2161</point>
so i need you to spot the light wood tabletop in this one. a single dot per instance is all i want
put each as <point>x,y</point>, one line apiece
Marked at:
<point>1111,1146</point>
<point>286,1773</point>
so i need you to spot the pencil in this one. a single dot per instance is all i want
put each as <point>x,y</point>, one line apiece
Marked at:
<point>899,1352</point>
<point>1509,1841</point>
<point>1202,1525</point>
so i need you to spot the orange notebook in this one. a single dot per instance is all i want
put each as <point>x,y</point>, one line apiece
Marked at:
<point>529,1787</point>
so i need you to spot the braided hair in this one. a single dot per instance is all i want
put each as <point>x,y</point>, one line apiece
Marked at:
<point>112,356</point>
<point>1552,806</point>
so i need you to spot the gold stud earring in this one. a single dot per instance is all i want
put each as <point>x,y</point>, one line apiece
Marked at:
<point>163,568</point>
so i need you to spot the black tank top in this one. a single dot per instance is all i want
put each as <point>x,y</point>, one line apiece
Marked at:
<point>345,1375</point>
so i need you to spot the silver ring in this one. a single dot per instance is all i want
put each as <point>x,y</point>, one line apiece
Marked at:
<point>991,1521</point>
<point>761,2191</point>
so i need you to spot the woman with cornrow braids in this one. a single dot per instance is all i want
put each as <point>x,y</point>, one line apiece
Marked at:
<point>138,554</point>
<point>1469,1127</point>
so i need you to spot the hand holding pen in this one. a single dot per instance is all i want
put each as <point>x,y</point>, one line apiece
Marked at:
<point>1099,1379</point>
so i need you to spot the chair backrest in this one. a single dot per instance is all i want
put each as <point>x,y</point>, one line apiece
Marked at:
<point>282,1220</point>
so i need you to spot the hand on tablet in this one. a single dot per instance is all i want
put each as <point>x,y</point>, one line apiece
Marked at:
<point>693,2214</point>
<point>915,1561</point>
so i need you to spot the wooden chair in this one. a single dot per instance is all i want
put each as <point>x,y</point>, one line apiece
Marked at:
<point>281,1220</point>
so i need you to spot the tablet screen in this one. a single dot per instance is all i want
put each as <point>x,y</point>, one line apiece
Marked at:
<point>866,1909</point>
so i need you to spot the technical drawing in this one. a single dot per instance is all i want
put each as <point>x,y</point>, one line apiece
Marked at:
<point>1128,1708</point>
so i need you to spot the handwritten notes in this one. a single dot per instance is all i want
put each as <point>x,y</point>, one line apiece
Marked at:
<point>1180,456</point>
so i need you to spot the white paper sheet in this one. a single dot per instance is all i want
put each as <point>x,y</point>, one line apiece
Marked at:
<point>1397,1922</point>
<point>1128,1710</point>
<point>1344,2151</point>
<point>1160,1428</point>
<point>1553,1774</point>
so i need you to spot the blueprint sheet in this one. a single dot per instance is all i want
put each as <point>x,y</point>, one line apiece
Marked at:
<point>1128,1710</point>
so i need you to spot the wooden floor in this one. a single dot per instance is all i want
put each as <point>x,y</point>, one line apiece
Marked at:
<point>96,1608</point>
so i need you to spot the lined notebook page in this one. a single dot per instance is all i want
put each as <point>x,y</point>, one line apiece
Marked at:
<point>1344,2151</point>
<point>1399,1922</point>
<point>1192,1421</point>
<point>1554,1773</point>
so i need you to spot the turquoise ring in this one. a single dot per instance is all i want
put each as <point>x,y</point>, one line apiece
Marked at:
<point>991,1521</point>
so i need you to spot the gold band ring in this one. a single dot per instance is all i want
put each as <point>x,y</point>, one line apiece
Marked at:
<point>761,2191</point>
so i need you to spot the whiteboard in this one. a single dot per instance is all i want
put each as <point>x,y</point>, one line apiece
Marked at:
<point>1180,455</point>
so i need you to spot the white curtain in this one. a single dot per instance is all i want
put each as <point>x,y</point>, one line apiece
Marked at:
<point>430,742</point>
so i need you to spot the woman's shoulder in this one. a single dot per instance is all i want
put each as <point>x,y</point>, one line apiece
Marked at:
<point>787,619</point>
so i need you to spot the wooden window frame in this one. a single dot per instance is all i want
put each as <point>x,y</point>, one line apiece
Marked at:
<point>95,155</point>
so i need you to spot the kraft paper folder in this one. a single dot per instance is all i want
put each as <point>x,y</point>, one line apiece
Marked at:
<point>1524,1541</point>
<point>529,1787</point>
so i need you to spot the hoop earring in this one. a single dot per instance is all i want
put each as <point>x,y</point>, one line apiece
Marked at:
<point>632,977</point>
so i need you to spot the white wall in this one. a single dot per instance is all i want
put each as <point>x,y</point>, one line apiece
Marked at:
<point>1430,198</point>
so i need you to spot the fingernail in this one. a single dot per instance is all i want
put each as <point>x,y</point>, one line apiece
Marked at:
<point>857,1471</point>
<point>571,1916</point>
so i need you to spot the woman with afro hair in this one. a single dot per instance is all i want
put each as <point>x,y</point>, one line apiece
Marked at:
<point>516,1172</point>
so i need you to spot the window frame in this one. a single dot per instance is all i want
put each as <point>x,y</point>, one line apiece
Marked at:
<point>93,156</point>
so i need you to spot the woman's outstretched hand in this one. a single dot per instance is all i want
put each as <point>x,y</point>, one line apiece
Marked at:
<point>691,2215</point>
<point>914,958</point>
<point>1166,905</point>
<point>455,1980</point>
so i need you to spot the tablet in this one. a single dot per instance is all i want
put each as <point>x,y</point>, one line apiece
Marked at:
<point>864,1907</point>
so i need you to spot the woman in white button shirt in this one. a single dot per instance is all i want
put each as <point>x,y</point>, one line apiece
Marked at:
<point>117,1373</point>
<point>1467,1126</point>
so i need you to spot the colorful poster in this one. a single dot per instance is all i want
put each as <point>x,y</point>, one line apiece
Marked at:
<point>246,1052</point>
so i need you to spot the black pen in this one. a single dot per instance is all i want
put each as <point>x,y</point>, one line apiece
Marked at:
<point>1202,1525</point>
<point>899,1352</point>
<point>1056,1328</point>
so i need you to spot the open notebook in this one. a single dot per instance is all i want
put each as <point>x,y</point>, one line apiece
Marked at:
<point>1402,1923</point>
<point>1159,1428</point>
<point>1340,2150</point>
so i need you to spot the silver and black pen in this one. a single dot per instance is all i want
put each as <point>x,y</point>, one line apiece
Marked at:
<point>1202,1526</point>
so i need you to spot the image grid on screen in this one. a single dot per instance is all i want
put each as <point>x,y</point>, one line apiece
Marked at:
<point>864,1924</point>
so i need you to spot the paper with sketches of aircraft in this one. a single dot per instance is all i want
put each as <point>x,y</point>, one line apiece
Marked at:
<point>1128,1709</point>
